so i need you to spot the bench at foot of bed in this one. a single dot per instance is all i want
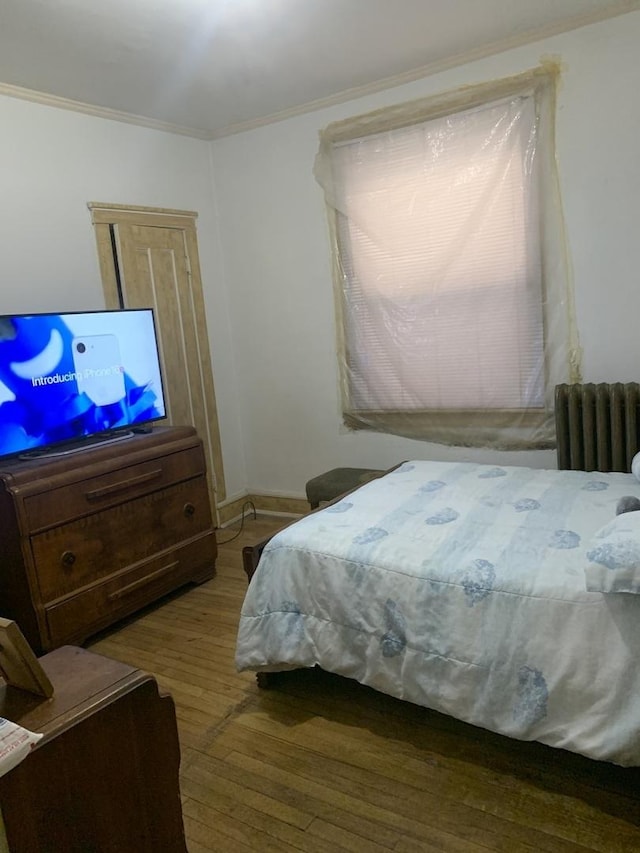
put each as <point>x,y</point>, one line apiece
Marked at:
<point>330,485</point>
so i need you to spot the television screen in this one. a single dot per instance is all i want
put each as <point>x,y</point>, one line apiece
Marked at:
<point>68,378</point>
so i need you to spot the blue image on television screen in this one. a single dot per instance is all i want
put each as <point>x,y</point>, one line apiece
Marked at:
<point>68,376</point>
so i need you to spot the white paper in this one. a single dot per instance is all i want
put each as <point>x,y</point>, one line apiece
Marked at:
<point>15,744</point>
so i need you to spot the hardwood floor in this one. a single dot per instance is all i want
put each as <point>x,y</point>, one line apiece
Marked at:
<point>322,764</point>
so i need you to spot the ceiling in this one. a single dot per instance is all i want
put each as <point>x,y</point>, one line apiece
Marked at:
<point>209,68</point>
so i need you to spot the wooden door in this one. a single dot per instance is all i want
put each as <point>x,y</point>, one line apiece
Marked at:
<point>149,258</point>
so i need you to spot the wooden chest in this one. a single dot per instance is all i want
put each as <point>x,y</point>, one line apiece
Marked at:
<point>104,776</point>
<point>89,538</point>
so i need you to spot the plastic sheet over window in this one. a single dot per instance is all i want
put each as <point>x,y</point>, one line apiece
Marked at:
<point>454,308</point>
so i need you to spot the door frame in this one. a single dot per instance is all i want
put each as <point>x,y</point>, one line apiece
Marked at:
<point>105,219</point>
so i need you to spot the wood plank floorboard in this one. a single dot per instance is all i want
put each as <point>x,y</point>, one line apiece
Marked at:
<point>322,764</point>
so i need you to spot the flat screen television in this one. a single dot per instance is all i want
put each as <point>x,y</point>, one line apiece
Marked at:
<point>70,380</point>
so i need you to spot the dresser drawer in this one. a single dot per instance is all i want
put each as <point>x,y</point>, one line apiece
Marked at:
<point>91,536</point>
<point>101,604</point>
<point>80,552</point>
<point>58,505</point>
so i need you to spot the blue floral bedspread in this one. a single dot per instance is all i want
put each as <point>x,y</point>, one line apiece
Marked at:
<point>461,587</point>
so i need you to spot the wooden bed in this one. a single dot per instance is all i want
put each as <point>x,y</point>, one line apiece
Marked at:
<point>462,588</point>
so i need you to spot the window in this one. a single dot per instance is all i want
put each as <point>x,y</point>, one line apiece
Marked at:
<point>452,304</point>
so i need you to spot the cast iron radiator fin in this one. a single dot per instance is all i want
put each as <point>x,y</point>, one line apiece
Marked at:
<point>597,425</point>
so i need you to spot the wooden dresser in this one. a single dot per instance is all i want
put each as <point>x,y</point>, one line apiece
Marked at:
<point>104,777</point>
<point>89,538</point>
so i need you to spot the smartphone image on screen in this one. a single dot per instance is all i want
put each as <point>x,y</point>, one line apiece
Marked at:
<point>97,363</point>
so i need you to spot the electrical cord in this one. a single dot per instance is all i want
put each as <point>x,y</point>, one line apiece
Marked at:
<point>235,535</point>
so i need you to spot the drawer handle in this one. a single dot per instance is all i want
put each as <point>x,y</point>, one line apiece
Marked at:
<point>132,587</point>
<point>189,510</point>
<point>68,559</point>
<point>123,485</point>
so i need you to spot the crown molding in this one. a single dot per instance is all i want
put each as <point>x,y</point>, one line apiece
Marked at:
<point>59,103</point>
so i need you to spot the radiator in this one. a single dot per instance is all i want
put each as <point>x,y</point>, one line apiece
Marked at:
<point>597,425</point>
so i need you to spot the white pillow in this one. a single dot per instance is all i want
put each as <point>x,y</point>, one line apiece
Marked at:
<point>614,556</point>
<point>635,466</point>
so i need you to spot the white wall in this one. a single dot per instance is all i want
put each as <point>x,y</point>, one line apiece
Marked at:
<point>52,162</point>
<point>274,234</point>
